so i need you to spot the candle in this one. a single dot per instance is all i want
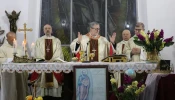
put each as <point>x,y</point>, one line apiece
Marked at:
<point>32,45</point>
<point>24,47</point>
<point>14,46</point>
<point>32,50</point>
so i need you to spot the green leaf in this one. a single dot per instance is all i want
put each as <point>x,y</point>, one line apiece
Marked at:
<point>139,43</point>
<point>158,44</point>
<point>136,38</point>
<point>169,44</point>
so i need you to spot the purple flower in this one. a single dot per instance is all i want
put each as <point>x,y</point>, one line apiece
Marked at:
<point>141,37</point>
<point>127,79</point>
<point>169,39</point>
<point>121,89</point>
<point>161,34</point>
<point>140,83</point>
<point>152,36</point>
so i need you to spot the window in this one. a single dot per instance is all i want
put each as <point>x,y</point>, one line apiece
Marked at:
<point>68,17</point>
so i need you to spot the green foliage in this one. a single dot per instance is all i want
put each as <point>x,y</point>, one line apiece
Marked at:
<point>169,44</point>
<point>129,91</point>
<point>66,53</point>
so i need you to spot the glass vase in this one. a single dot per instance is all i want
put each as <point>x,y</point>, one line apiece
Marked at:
<point>152,56</point>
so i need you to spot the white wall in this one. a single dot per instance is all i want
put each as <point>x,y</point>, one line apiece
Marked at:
<point>30,14</point>
<point>163,17</point>
<point>142,12</point>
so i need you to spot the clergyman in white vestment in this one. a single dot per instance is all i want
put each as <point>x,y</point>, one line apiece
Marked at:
<point>14,84</point>
<point>136,53</point>
<point>92,42</point>
<point>49,49</point>
<point>126,35</point>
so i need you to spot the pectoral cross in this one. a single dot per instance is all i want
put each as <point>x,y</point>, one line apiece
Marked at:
<point>25,30</point>
<point>93,50</point>
<point>47,49</point>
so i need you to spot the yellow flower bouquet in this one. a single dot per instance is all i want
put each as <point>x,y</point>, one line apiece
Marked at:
<point>153,41</point>
<point>130,90</point>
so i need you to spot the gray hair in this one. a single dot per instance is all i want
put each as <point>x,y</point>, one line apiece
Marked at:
<point>91,24</point>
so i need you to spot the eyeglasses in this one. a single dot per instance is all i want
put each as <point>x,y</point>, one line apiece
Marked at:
<point>97,29</point>
<point>138,30</point>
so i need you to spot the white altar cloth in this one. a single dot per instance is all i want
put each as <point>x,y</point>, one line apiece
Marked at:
<point>67,67</point>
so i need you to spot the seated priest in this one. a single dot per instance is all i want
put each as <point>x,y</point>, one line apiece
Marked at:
<point>48,48</point>
<point>135,52</point>
<point>92,42</point>
<point>14,84</point>
<point>126,35</point>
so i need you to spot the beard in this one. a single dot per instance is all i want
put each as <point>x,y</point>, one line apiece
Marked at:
<point>48,33</point>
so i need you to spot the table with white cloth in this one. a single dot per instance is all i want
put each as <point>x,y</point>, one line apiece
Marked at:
<point>67,67</point>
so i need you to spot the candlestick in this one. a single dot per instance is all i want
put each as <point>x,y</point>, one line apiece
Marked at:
<point>14,46</point>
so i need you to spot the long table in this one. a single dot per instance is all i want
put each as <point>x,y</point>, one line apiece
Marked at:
<point>67,67</point>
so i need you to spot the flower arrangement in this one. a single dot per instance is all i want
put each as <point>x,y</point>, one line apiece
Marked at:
<point>153,41</point>
<point>130,90</point>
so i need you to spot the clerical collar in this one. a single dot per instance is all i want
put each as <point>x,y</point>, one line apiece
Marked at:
<point>93,37</point>
<point>125,41</point>
<point>48,37</point>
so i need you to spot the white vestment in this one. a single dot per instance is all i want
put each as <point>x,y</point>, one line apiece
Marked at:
<point>14,85</point>
<point>119,47</point>
<point>103,46</point>
<point>55,91</point>
<point>130,46</point>
<point>118,51</point>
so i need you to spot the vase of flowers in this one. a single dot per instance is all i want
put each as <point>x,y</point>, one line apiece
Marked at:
<point>153,43</point>
<point>152,56</point>
<point>130,90</point>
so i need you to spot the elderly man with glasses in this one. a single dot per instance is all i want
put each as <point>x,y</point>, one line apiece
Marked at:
<point>92,42</point>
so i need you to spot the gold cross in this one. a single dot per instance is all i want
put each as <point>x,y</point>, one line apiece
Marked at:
<point>25,29</point>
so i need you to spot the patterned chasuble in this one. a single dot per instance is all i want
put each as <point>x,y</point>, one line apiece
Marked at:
<point>94,46</point>
<point>48,56</point>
